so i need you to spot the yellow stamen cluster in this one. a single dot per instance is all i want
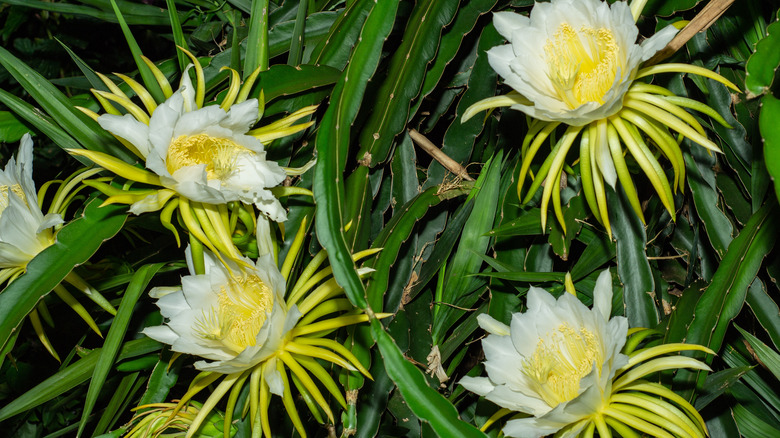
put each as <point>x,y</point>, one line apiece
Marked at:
<point>4,193</point>
<point>244,304</point>
<point>218,154</point>
<point>583,64</point>
<point>560,361</point>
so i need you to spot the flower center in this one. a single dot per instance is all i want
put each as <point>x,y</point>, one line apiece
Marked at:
<point>243,305</point>
<point>582,64</point>
<point>16,188</point>
<point>560,361</point>
<point>218,154</point>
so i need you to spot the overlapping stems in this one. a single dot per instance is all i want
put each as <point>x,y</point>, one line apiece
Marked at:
<point>317,297</point>
<point>225,228</point>
<point>652,123</point>
<point>637,405</point>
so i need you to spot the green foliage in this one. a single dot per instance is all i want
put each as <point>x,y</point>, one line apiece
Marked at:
<point>450,246</point>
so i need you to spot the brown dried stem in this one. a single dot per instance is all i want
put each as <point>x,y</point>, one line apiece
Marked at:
<point>700,23</point>
<point>443,159</point>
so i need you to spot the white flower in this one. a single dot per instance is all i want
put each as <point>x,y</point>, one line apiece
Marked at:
<point>574,60</point>
<point>555,362</point>
<point>204,154</point>
<point>24,230</point>
<point>236,319</point>
<point>575,65</point>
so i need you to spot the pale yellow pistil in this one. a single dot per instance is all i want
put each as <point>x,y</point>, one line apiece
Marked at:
<point>243,305</point>
<point>583,64</point>
<point>218,154</point>
<point>560,360</point>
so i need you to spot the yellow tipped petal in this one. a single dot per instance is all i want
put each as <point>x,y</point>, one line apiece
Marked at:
<point>289,403</point>
<point>568,284</point>
<point>326,308</point>
<point>556,201</point>
<point>553,173</point>
<point>336,347</point>
<point>159,77</point>
<point>311,351</point>
<point>501,413</point>
<point>531,153</point>
<point>200,81</point>
<point>303,376</point>
<point>247,87</point>
<point>329,324</point>
<point>111,85</point>
<point>77,307</point>
<point>668,106</point>
<point>663,140</point>
<point>656,365</point>
<point>295,248</point>
<point>685,68</point>
<point>622,429</point>
<point>636,146</point>
<point>118,166</point>
<point>269,136</point>
<point>142,92</point>
<point>636,423</point>
<point>662,391</point>
<point>212,401</point>
<point>649,353</point>
<point>322,375</point>
<point>601,426</point>
<point>601,195</point>
<point>35,320</point>
<point>233,89</point>
<point>616,151</point>
<point>74,280</point>
<point>192,224</point>
<point>672,415</point>
<point>671,121</point>
<point>165,219</point>
<point>513,98</point>
<point>651,418</point>
<point>642,87</point>
<point>127,104</point>
<point>295,171</point>
<point>586,172</point>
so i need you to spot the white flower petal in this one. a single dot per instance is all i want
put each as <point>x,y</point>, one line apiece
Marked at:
<point>274,378</point>
<point>531,427</point>
<point>127,127</point>
<point>50,220</point>
<point>652,45</point>
<point>161,333</point>
<point>187,90</point>
<point>477,385</point>
<point>508,22</point>
<point>242,116</point>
